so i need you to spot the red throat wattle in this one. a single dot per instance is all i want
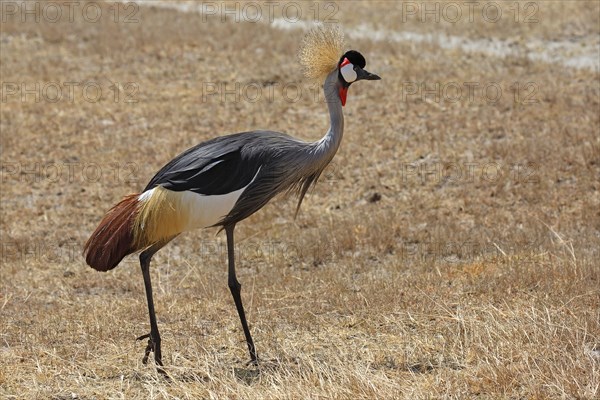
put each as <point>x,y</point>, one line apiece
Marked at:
<point>343,94</point>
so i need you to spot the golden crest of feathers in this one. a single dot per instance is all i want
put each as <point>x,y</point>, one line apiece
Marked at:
<point>321,50</point>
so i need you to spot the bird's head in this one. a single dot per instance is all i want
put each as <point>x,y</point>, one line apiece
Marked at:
<point>320,56</point>
<point>351,68</point>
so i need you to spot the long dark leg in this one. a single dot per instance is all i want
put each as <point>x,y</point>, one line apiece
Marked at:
<point>235,287</point>
<point>154,335</point>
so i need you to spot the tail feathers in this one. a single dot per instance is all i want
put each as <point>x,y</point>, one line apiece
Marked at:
<point>113,238</point>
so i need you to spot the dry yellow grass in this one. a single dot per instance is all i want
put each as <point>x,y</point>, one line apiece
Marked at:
<point>450,251</point>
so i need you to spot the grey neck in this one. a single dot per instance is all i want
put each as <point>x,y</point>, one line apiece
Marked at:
<point>328,145</point>
<point>318,154</point>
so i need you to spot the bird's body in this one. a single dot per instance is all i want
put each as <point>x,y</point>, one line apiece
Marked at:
<point>219,183</point>
<point>249,170</point>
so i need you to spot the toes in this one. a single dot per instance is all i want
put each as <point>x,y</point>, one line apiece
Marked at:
<point>151,347</point>
<point>253,362</point>
<point>146,336</point>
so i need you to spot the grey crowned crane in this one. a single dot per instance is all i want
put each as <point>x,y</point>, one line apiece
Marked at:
<point>222,181</point>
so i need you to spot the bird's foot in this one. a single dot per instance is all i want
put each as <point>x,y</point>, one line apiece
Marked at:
<point>253,361</point>
<point>250,372</point>
<point>153,346</point>
<point>150,347</point>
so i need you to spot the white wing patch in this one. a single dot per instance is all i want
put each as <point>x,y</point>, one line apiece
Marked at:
<point>204,210</point>
<point>194,210</point>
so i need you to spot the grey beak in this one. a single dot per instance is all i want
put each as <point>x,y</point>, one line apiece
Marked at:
<point>366,75</point>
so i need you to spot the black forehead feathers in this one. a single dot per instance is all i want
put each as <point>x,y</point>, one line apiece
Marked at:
<point>355,58</point>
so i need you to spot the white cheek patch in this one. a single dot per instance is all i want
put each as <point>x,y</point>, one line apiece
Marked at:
<point>348,73</point>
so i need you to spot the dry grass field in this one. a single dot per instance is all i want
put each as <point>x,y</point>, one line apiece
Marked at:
<point>450,250</point>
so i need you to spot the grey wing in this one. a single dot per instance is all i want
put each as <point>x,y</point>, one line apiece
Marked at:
<point>229,163</point>
<point>285,166</point>
<point>212,168</point>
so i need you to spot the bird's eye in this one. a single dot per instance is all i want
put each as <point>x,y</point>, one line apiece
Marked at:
<point>348,72</point>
